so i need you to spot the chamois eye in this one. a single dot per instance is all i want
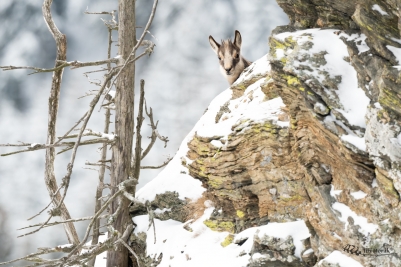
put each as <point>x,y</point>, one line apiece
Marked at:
<point>237,56</point>
<point>219,58</point>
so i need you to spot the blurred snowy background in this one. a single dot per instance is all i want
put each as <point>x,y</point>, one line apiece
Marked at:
<point>181,76</point>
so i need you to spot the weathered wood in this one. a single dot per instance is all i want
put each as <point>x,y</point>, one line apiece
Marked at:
<point>124,126</point>
<point>138,142</point>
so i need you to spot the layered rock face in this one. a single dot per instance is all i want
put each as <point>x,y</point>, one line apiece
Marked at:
<point>314,137</point>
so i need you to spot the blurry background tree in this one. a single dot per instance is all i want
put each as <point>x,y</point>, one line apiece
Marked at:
<point>183,78</point>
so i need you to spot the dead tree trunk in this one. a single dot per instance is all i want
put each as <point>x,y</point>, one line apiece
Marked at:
<point>124,125</point>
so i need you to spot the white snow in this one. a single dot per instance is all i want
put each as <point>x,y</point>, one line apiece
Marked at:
<point>108,136</point>
<point>280,53</point>
<point>360,42</point>
<point>346,212</point>
<point>202,246</point>
<point>359,142</point>
<point>216,143</point>
<point>334,193</point>
<point>173,178</point>
<point>374,183</point>
<point>159,211</point>
<point>65,246</point>
<point>257,256</point>
<point>246,110</point>
<point>337,236</point>
<point>396,40</point>
<point>112,94</point>
<point>396,52</point>
<point>101,259</point>
<point>348,90</point>
<point>296,229</point>
<point>377,105</point>
<point>379,9</point>
<point>259,67</point>
<point>358,195</point>
<point>306,252</point>
<point>336,257</point>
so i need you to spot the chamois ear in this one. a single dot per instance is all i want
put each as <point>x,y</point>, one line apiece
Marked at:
<point>237,39</point>
<point>215,45</point>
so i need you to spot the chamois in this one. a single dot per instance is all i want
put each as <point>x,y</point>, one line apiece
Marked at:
<point>229,53</point>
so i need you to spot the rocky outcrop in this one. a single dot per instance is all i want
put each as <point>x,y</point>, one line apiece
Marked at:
<point>328,153</point>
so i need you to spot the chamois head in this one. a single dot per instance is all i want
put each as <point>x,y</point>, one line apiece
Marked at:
<point>229,53</point>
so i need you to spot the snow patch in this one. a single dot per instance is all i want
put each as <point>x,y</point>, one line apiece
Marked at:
<point>348,89</point>
<point>358,142</point>
<point>296,229</point>
<point>108,136</point>
<point>346,212</point>
<point>358,195</point>
<point>377,8</point>
<point>360,42</point>
<point>334,193</point>
<point>159,211</point>
<point>65,246</point>
<point>396,52</point>
<point>259,67</point>
<point>202,246</point>
<point>336,257</point>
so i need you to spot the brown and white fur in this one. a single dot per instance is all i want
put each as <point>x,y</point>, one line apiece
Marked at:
<point>229,53</point>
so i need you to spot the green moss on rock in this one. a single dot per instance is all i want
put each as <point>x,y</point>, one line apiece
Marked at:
<point>220,226</point>
<point>227,241</point>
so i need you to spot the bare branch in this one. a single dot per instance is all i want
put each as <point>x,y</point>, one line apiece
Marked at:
<point>145,31</point>
<point>157,167</point>
<point>92,222</point>
<point>51,201</point>
<point>97,164</point>
<point>50,178</point>
<point>130,250</point>
<point>151,219</point>
<point>65,249</point>
<point>94,71</point>
<point>72,128</point>
<point>100,187</point>
<point>90,132</point>
<point>60,222</point>
<point>69,145</point>
<point>40,227</point>
<point>154,126</point>
<point>74,146</point>
<point>63,64</point>
<point>100,13</point>
<point>138,143</point>
<point>154,135</point>
<point>153,138</point>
